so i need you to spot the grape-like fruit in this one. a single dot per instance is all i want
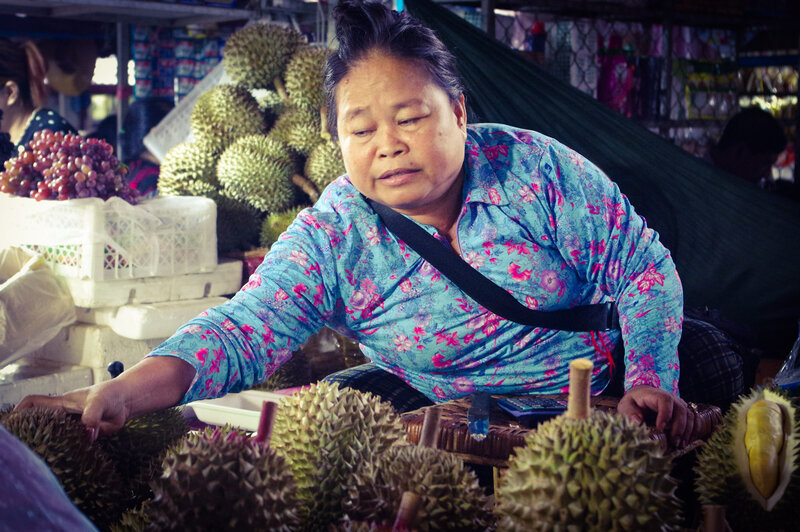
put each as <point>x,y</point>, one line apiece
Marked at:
<point>66,166</point>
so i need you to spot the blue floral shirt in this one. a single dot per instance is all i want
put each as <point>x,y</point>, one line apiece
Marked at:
<point>537,218</point>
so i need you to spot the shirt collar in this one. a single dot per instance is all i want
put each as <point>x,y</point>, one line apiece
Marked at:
<point>481,184</point>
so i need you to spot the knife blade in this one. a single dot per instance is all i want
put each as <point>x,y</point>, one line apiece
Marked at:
<point>478,415</point>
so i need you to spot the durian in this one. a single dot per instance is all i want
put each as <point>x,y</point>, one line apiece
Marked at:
<point>225,113</point>
<point>750,464</point>
<point>257,54</point>
<point>451,496</point>
<point>86,473</point>
<point>134,520</point>
<point>324,164</point>
<point>258,170</point>
<point>325,432</point>
<point>276,223</point>
<point>189,169</point>
<point>238,224</point>
<point>600,473</point>
<point>293,372</point>
<point>221,479</point>
<point>304,76</point>
<point>298,128</point>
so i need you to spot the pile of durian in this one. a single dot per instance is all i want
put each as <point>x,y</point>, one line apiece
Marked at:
<point>259,146</point>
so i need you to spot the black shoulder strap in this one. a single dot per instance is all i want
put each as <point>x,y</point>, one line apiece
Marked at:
<point>598,317</point>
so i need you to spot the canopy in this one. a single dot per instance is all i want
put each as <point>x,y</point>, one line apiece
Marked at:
<point>737,247</point>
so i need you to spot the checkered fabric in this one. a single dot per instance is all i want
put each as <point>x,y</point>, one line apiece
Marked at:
<point>389,387</point>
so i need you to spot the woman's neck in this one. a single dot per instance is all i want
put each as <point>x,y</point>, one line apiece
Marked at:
<point>17,121</point>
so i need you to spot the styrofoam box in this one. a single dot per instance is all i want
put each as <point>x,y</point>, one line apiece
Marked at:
<point>226,279</point>
<point>103,240</point>
<point>25,377</point>
<point>242,410</point>
<point>145,321</point>
<point>95,347</point>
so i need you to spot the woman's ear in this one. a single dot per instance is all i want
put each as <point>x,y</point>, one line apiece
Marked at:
<point>11,92</point>
<point>460,109</point>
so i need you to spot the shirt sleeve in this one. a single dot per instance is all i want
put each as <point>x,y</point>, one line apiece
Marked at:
<point>286,300</point>
<point>599,233</point>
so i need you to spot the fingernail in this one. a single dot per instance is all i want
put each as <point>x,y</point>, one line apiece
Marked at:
<point>93,434</point>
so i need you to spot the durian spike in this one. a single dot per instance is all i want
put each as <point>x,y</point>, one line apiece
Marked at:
<point>266,421</point>
<point>580,376</point>
<point>323,119</point>
<point>714,519</point>
<point>306,186</point>
<point>280,87</point>
<point>429,437</point>
<point>407,513</point>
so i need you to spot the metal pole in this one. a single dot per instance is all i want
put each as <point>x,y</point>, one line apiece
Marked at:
<point>123,56</point>
<point>487,16</point>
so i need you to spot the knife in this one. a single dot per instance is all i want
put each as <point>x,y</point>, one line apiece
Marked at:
<point>478,415</point>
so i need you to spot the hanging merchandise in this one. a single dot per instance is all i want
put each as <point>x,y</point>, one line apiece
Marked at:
<point>616,76</point>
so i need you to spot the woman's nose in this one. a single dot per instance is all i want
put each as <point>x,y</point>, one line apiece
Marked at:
<point>390,144</point>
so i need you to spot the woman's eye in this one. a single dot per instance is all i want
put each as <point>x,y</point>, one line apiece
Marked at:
<point>409,121</point>
<point>361,132</point>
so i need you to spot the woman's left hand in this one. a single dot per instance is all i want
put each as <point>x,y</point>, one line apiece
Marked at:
<point>673,415</point>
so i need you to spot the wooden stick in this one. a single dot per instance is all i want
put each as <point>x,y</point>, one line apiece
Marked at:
<point>280,88</point>
<point>714,518</point>
<point>580,378</point>
<point>407,513</point>
<point>306,186</point>
<point>266,421</point>
<point>429,437</point>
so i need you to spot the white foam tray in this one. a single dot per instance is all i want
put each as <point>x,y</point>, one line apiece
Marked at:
<point>225,280</point>
<point>145,321</point>
<point>242,410</point>
<point>25,377</point>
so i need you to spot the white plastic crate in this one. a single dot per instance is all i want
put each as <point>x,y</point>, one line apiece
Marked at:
<point>144,321</point>
<point>226,279</point>
<point>103,240</point>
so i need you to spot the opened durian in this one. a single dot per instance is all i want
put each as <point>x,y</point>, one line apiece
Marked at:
<point>221,479</point>
<point>86,473</point>
<point>599,473</point>
<point>451,496</point>
<point>258,170</point>
<point>189,169</point>
<point>225,113</point>
<point>298,128</point>
<point>750,464</point>
<point>257,54</point>
<point>324,164</point>
<point>276,223</point>
<point>304,78</point>
<point>325,433</point>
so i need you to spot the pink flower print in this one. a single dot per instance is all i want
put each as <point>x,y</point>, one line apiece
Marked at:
<point>550,280</point>
<point>494,196</point>
<point>299,289</point>
<point>254,282</point>
<point>228,325</point>
<point>649,378</point>
<point>405,285</point>
<point>268,336</point>
<point>521,248</point>
<point>439,393</point>
<point>491,325</point>
<point>554,195</point>
<point>402,343</point>
<point>649,278</point>
<point>463,385</point>
<point>531,302</point>
<point>614,214</point>
<point>426,269</point>
<point>474,259</point>
<point>192,329</point>
<point>201,354</point>
<point>672,325</point>
<point>281,295</point>
<point>299,257</point>
<point>400,372</point>
<point>217,359</point>
<point>493,152</point>
<point>528,194</point>
<point>517,274</point>
<point>477,322</point>
<point>246,329</point>
<point>439,361</point>
<point>373,237</point>
<point>613,269</point>
<point>422,319</point>
<point>449,339</point>
<point>597,248</point>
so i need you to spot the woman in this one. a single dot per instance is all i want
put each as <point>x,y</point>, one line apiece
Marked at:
<point>529,213</point>
<point>22,93</point>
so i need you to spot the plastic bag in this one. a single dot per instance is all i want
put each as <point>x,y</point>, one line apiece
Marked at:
<point>788,377</point>
<point>34,304</point>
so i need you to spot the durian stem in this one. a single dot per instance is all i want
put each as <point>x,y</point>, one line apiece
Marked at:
<point>280,88</point>
<point>714,519</point>
<point>266,421</point>
<point>306,186</point>
<point>429,437</point>
<point>323,120</point>
<point>407,513</point>
<point>580,377</point>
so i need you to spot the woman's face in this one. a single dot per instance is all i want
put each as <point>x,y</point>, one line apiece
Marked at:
<point>402,139</point>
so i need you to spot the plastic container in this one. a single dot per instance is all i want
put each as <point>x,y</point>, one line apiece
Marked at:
<point>226,279</point>
<point>242,410</point>
<point>103,240</point>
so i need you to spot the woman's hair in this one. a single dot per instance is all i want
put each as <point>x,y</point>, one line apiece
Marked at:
<point>24,65</point>
<point>363,27</point>
<point>142,116</point>
<point>755,128</point>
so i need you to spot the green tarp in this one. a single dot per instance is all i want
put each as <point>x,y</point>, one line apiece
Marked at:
<point>737,248</point>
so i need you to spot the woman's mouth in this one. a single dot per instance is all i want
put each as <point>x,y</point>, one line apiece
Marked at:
<point>397,174</point>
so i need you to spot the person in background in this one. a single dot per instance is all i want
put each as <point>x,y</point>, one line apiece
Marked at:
<point>142,116</point>
<point>749,146</point>
<point>23,93</point>
<point>531,214</point>
<point>106,130</point>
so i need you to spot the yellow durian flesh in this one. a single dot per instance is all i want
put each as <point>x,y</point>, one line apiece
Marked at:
<point>763,441</point>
